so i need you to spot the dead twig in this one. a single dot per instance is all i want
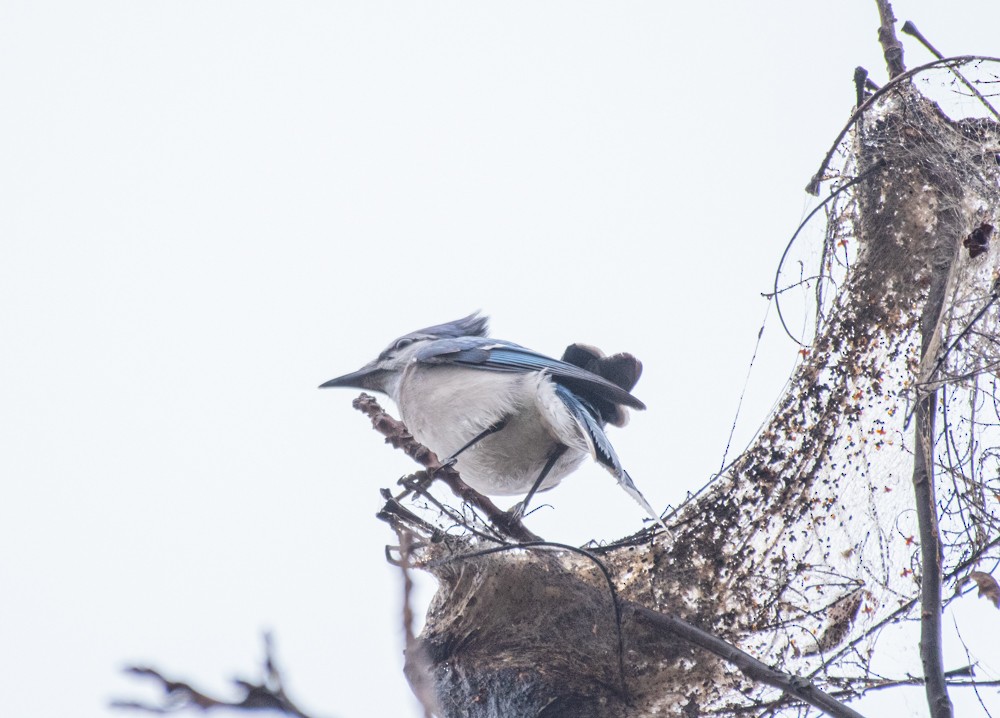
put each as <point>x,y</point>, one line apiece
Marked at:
<point>180,695</point>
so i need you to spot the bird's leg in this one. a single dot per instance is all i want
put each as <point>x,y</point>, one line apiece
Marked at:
<point>476,439</point>
<point>519,509</point>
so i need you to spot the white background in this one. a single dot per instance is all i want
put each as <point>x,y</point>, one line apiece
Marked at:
<point>209,208</point>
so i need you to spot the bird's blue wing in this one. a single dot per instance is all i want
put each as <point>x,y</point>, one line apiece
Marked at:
<point>584,414</point>
<point>459,350</point>
<point>497,355</point>
<point>604,453</point>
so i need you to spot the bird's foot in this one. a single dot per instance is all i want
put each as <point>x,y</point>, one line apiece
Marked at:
<point>517,511</point>
<point>446,464</point>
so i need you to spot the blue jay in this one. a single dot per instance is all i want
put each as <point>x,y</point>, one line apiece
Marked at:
<point>513,421</point>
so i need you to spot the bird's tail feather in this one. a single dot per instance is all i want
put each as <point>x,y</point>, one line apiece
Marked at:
<point>625,481</point>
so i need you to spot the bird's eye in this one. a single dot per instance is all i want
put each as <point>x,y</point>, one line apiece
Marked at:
<point>404,342</point>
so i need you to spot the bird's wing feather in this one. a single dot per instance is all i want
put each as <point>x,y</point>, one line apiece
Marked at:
<point>457,350</point>
<point>604,453</point>
<point>495,355</point>
<point>590,427</point>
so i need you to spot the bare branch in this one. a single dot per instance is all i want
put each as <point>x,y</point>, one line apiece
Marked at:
<point>800,688</point>
<point>930,549</point>
<point>399,437</point>
<point>892,48</point>
<point>180,695</point>
<point>910,29</point>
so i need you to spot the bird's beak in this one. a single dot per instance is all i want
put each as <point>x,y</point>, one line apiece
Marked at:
<point>367,377</point>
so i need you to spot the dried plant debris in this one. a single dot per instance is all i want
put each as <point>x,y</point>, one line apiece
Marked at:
<point>988,586</point>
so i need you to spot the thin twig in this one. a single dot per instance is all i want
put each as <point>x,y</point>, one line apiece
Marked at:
<point>929,381</point>
<point>268,694</point>
<point>944,355</point>
<point>910,29</point>
<point>746,383</point>
<point>903,609</point>
<point>971,672</point>
<point>879,164</point>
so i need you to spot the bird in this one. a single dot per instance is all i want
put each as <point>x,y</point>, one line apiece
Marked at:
<point>511,421</point>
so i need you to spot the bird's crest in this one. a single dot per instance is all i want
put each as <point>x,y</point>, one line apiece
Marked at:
<point>473,325</point>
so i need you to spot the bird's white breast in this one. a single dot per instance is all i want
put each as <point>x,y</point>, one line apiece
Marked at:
<point>446,406</point>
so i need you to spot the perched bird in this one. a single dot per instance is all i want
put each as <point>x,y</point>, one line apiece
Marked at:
<point>513,421</point>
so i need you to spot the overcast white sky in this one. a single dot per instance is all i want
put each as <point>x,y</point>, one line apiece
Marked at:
<point>209,208</point>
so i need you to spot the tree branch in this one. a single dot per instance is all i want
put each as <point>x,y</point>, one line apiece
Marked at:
<point>930,559</point>
<point>800,688</point>
<point>268,694</point>
<point>399,437</point>
<point>910,29</point>
<point>892,48</point>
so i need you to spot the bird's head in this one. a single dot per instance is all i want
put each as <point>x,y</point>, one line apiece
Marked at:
<point>382,373</point>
